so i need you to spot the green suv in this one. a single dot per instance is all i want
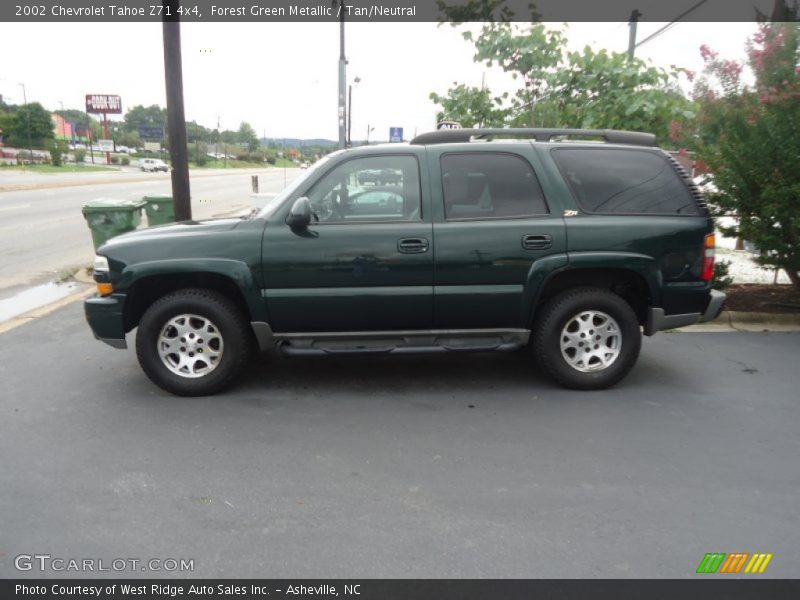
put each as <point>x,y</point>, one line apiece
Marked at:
<point>574,242</point>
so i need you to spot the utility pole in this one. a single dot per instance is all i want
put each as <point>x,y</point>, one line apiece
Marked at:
<point>63,129</point>
<point>349,114</point>
<point>632,23</point>
<point>176,119</point>
<point>342,63</point>
<point>28,115</point>
<point>350,110</point>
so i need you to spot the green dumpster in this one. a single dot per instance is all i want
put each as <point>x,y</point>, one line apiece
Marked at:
<point>109,217</point>
<point>160,210</point>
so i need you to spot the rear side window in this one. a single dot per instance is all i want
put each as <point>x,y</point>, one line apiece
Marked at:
<point>490,185</point>
<point>616,181</point>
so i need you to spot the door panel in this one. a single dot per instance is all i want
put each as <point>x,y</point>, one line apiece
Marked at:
<point>482,268</point>
<point>494,224</point>
<point>367,264</point>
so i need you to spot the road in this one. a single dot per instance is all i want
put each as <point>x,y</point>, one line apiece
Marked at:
<point>43,233</point>
<point>453,466</point>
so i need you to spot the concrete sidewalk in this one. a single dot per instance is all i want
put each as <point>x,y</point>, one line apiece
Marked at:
<point>748,321</point>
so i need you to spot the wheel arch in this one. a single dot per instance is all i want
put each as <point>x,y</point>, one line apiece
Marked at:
<point>146,283</point>
<point>634,285</point>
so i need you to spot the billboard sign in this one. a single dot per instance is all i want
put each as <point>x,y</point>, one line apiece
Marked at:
<point>151,132</point>
<point>448,125</point>
<point>395,134</point>
<point>152,146</point>
<point>104,103</point>
<point>105,145</point>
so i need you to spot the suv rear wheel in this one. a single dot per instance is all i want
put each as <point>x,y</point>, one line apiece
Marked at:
<point>587,338</point>
<point>192,342</point>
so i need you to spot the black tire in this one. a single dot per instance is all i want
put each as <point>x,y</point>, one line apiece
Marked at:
<point>561,310</point>
<point>228,324</point>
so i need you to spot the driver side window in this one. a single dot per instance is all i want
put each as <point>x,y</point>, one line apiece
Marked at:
<point>376,188</point>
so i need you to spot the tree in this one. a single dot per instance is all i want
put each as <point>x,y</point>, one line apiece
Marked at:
<point>471,106</point>
<point>31,117</point>
<point>6,123</point>
<point>149,116</point>
<point>78,117</point>
<point>585,89</point>
<point>531,54</point>
<point>750,138</point>
<point>247,135</point>
<point>197,133</point>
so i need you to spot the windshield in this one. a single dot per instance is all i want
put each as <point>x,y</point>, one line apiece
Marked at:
<point>273,204</point>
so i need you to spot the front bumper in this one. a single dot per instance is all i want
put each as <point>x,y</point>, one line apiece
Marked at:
<point>658,321</point>
<point>105,316</point>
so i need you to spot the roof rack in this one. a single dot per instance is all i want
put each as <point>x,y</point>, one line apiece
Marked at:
<point>611,136</point>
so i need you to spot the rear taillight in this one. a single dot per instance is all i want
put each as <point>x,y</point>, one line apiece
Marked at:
<point>708,258</point>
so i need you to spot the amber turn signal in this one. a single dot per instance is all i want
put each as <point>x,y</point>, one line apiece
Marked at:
<point>104,289</point>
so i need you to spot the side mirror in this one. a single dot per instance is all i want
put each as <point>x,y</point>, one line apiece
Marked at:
<point>300,215</point>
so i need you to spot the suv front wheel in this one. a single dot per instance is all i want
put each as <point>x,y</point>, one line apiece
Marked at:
<point>587,338</point>
<point>192,342</point>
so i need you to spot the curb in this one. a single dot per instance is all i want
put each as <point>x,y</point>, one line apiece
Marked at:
<point>44,310</point>
<point>730,320</point>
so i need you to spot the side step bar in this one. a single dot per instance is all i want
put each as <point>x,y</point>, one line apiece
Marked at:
<point>396,342</point>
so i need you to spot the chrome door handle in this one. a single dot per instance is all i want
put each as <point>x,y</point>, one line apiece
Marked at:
<point>536,242</point>
<point>412,245</point>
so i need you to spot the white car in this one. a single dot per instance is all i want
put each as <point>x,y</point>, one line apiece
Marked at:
<point>153,165</point>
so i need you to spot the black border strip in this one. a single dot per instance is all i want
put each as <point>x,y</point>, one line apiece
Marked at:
<point>395,11</point>
<point>708,588</point>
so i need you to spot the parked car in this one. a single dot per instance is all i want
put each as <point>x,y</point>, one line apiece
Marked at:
<point>573,248</point>
<point>372,176</point>
<point>153,165</point>
<point>32,157</point>
<point>390,177</point>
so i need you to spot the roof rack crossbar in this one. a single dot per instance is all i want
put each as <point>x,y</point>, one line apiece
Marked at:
<point>611,136</point>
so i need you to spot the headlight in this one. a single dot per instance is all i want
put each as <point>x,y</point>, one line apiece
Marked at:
<point>100,264</point>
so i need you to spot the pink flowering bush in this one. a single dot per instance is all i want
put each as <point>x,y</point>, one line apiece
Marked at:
<point>749,135</point>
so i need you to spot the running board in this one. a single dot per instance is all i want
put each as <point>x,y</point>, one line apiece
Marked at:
<point>401,342</point>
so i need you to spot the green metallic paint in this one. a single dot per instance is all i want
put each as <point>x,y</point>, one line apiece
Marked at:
<point>475,274</point>
<point>104,315</point>
<point>482,262</point>
<point>361,260</point>
<point>227,247</point>
<point>237,271</point>
<point>540,272</point>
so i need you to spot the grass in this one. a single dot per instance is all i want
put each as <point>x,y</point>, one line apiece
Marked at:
<point>67,275</point>
<point>243,164</point>
<point>70,168</point>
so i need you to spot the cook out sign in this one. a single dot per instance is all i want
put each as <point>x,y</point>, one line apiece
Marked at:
<point>103,103</point>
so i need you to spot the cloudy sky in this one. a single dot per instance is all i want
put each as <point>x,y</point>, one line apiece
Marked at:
<point>282,77</point>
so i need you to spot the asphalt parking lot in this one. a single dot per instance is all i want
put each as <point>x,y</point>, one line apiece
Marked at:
<point>454,466</point>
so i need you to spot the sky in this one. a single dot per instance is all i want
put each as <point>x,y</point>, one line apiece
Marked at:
<point>282,77</point>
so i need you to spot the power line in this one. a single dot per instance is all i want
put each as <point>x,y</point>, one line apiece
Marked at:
<point>671,23</point>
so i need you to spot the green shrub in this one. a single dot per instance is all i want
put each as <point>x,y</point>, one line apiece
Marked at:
<point>721,278</point>
<point>56,155</point>
<point>80,155</point>
<point>272,160</point>
<point>125,161</point>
